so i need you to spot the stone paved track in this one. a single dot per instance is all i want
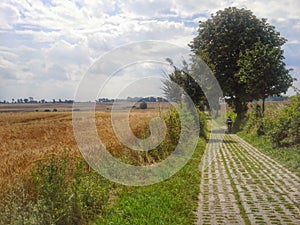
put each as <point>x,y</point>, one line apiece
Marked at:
<point>241,185</point>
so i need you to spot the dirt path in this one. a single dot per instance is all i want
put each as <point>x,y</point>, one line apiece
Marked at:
<point>244,186</point>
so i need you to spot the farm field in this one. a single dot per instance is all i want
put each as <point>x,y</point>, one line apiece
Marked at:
<point>40,140</point>
<point>64,107</point>
<point>30,136</point>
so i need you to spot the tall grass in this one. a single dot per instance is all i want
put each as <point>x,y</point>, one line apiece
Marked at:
<point>56,193</point>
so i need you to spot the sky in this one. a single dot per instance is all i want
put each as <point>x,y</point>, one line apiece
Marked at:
<point>48,46</point>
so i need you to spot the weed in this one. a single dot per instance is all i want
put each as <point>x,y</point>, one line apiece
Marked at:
<point>56,193</point>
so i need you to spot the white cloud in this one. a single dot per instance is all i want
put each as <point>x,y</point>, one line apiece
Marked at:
<point>9,16</point>
<point>7,58</point>
<point>188,8</point>
<point>64,53</point>
<point>146,9</point>
<point>56,40</point>
<point>39,90</point>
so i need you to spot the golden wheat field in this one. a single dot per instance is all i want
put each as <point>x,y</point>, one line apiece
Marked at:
<point>26,137</point>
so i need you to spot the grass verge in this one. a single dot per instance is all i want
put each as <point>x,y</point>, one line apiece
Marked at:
<point>289,156</point>
<point>173,201</point>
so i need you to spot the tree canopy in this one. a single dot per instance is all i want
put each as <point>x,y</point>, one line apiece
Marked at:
<point>194,81</point>
<point>263,71</point>
<point>232,42</point>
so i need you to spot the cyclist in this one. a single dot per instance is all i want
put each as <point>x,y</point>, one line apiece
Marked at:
<point>229,124</point>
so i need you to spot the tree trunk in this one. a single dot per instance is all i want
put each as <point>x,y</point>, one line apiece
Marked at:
<point>241,110</point>
<point>263,106</point>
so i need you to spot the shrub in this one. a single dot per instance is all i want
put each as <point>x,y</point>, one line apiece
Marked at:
<point>57,193</point>
<point>255,121</point>
<point>174,129</point>
<point>285,129</point>
<point>143,105</point>
<point>282,127</point>
<point>203,125</point>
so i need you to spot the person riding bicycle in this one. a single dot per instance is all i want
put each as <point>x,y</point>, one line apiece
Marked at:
<point>229,124</point>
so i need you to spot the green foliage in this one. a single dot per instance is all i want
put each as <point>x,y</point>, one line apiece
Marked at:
<point>56,194</point>
<point>168,145</point>
<point>17,206</point>
<point>255,121</point>
<point>232,114</point>
<point>224,39</point>
<point>282,127</point>
<point>181,82</point>
<point>285,129</point>
<point>175,127</point>
<point>143,105</point>
<point>173,123</point>
<point>51,184</point>
<point>263,71</point>
<point>203,125</point>
<point>173,201</point>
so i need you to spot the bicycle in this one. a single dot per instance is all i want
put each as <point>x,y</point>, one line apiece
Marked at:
<point>229,125</point>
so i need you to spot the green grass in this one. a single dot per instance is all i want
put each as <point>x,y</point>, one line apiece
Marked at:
<point>173,201</point>
<point>289,157</point>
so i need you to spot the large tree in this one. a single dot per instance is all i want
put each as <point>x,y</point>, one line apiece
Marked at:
<point>224,39</point>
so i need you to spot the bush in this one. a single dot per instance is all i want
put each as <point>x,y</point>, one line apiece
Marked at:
<point>167,146</point>
<point>174,129</point>
<point>285,129</point>
<point>57,193</point>
<point>143,105</point>
<point>281,127</point>
<point>203,125</point>
<point>255,121</point>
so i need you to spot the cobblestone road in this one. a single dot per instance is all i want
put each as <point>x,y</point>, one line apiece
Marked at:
<point>241,185</point>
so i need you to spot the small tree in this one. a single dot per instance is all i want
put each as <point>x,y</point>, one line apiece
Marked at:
<point>183,82</point>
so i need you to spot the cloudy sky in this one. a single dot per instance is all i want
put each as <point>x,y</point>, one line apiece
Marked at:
<point>46,46</point>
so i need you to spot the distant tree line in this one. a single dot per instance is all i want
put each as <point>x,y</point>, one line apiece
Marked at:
<point>134,99</point>
<point>70,101</point>
<point>32,100</point>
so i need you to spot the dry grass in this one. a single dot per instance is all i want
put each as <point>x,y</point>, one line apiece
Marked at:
<point>26,137</point>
